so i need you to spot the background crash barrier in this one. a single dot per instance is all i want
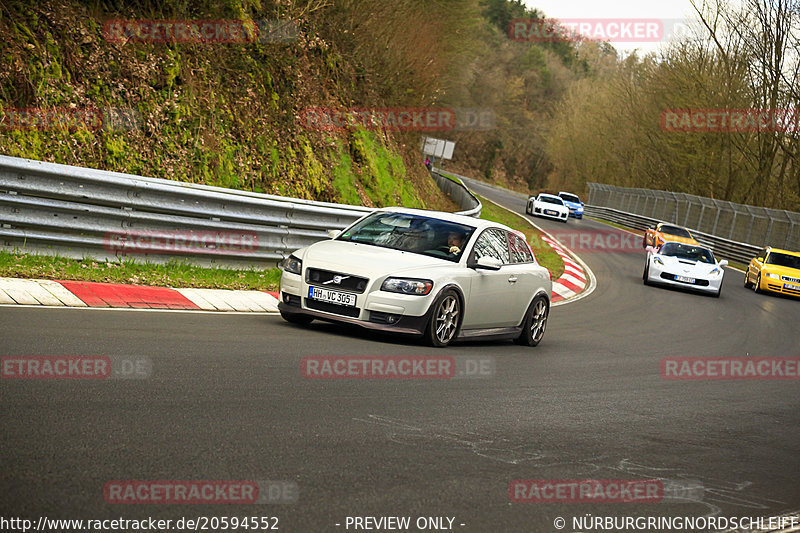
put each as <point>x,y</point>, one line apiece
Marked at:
<point>459,194</point>
<point>80,212</point>
<point>740,223</point>
<point>723,248</point>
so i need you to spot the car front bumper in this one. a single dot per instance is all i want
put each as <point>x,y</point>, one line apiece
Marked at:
<point>374,309</point>
<point>778,286</point>
<point>666,277</point>
<point>539,212</point>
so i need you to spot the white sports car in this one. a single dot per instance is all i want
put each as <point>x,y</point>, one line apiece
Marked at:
<point>439,275</point>
<point>547,205</point>
<point>689,266</point>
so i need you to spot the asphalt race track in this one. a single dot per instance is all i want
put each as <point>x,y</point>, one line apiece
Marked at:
<point>226,401</point>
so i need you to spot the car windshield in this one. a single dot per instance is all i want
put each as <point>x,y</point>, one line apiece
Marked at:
<point>687,251</point>
<point>784,260</point>
<point>551,200</point>
<point>676,231</point>
<point>570,198</point>
<point>411,233</point>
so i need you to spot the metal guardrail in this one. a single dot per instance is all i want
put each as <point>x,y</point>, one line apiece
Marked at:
<point>758,226</point>
<point>459,193</point>
<point>76,212</point>
<point>732,250</point>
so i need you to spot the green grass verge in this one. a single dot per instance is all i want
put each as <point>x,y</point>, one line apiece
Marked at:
<point>174,274</point>
<point>546,256</point>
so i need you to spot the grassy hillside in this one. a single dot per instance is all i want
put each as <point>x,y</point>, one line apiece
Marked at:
<point>222,114</point>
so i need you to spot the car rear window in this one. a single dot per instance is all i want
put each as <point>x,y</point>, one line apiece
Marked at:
<point>520,251</point>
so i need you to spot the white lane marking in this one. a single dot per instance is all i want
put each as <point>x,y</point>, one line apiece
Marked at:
<point>238,301</point>
<point>18,290</point>
<point>262,299</point>
<point>562,291</point>
<point>573,279</point>
<point>211,296</point>
<point>575,272</point>
<point>42,295</point>
<point>5,298</point>
<point>60,292</point>
<point>194,296</point>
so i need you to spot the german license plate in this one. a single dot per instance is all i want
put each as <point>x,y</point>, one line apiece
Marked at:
<point>792,287</point>
<point>548,212</point>
<point>684,279</point>
<point>333,297</point>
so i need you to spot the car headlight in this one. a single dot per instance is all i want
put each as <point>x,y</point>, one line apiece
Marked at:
<point>292,264</point>
<point>417,287</point>
<point>771,275</point>
<point>716,271</point>
<point>658,260</point>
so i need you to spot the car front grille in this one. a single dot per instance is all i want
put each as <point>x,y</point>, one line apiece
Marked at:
<point>790,280</point>
<point>336,309</point>
<point>327,278</point>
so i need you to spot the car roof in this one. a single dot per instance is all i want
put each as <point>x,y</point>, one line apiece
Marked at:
<point>570,193</point>
<point>787,252</point>
<point>672,225</point>
<point>550,195</point>
<point>449,217</point>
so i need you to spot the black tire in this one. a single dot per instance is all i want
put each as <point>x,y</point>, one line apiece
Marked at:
<point>747,284</point>
<point>717,294</point>
<point>445,319</point>
<point>644,240</point>
<point>646,273</point>
<point>300,320</point>
<point>757,286</point>
<point>534,323</point>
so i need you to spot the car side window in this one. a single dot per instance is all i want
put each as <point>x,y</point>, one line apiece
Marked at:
<point>492,243</point>
<point>520,252</point>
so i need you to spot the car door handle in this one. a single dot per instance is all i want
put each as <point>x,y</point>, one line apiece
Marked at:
<point>512,279</point>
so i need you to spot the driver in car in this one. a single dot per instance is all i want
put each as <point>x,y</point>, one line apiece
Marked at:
<point>455,241</point>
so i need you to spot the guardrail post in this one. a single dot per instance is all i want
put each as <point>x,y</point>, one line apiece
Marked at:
<point>769,231</point>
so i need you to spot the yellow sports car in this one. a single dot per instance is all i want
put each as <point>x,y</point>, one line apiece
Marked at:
<point>774,270</point>
<point>664,232</point>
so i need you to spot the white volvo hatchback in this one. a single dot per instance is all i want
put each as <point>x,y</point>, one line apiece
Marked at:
<point>439,275</point>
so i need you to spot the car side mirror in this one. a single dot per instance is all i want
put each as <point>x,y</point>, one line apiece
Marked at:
<point>760,259</point>
<point>723,263</point>
<point>333,233</point>
<point>487,263</point>
<point>582,204</point>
